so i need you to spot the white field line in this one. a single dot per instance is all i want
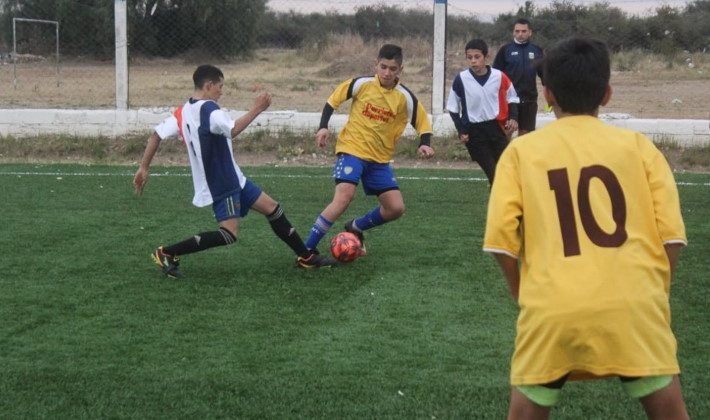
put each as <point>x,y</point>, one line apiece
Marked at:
<point>187,174</point>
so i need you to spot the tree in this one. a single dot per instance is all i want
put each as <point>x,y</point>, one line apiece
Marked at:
<point>85,26</point>
<point>155,27</point>
<point>222,28</point>
<point>381,22</point>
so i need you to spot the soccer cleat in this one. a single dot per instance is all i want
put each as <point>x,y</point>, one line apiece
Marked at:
<point>168,263</point>
<point>349,228</point>
<point>315,260</point>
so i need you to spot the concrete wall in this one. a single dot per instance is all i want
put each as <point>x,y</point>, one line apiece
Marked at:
<point>112,123</point>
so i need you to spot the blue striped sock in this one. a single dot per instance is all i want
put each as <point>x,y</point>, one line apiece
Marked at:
<point>318,231</point>
<point>370,220</point>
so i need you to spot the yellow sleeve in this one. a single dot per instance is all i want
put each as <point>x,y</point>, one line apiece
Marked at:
<point>505,208</point>
<point>422,123</point>
<point>341,93</point>
<point>664,192</point>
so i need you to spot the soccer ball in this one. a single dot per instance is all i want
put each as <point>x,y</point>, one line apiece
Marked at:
<point>346,247</point>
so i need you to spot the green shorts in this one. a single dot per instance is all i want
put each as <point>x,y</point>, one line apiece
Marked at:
<point>548,395</point>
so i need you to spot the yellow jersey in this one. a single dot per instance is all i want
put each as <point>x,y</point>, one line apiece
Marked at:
<point>378,117</point>
<point>587,208</point>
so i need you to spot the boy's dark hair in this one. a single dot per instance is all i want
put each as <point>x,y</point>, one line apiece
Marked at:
<point>477,44</point>
<point>391,52</point>
<point>523,21</point>
<point>206,73</point>
<point>577,72</point>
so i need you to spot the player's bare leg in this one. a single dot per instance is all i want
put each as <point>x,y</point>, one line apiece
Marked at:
<point>391,208</point>
<point>521,408</point>
<point>391,205</point>
<point>264,204</point>
<point>343,196</point>
<point>666,403</point>
<point>168,258</point>
<point>285,231</point>
<point>232,225</point>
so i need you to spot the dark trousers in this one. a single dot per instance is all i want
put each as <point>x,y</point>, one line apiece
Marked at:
<point>486,142</point>
<point>527,115</point>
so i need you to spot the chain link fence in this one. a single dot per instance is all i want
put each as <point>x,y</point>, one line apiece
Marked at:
<point>661,64</point>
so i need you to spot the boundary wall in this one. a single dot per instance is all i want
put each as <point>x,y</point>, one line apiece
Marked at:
<point>115,123</point>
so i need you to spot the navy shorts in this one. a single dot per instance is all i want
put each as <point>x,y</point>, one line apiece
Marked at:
<point>236,204</point>
<point>377,178</point>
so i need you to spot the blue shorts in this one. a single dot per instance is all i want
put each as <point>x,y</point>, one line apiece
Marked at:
<point>236,204</point>
<point>376,177</point>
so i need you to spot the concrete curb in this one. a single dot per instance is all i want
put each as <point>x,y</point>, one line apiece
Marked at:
<point>91,122</point>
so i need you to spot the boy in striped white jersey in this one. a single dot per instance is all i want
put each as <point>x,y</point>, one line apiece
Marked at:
<point>207,131</point>
<point>483,105</point>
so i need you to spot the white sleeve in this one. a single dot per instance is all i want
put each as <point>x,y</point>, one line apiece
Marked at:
<point>512,95</point>
<point>221,123</point>
<point>453,104</point>
<point>167,128</point>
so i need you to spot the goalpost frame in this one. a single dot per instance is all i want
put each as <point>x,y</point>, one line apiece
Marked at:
<point>14,44</point>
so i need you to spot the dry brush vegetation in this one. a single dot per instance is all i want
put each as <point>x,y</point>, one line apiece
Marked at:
<point>645,85</point>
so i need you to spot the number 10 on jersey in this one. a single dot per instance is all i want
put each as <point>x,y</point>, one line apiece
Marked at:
<point>560,185</point>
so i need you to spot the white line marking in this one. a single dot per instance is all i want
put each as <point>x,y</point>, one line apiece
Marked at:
<point>168,174</point>
<point>187,174</point>
<point>83,174</point>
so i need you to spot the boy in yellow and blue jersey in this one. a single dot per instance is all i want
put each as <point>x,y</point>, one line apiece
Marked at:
<point>591,213</point>
<point>381,109</point>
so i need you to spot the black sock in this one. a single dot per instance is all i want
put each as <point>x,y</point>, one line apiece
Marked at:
<point>200,242</point>
<point>286,232</point>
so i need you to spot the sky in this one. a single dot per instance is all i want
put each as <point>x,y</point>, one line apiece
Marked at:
<point>483,9</point>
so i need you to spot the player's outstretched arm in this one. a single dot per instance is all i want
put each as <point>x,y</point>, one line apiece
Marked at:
<point>322,134</point>
<point>511,271</point>
<point>673,252</point>
<point>425,150</point>
<point>510,127</point>
<point>322,137</point>
<point>261,104</point>
<point>141,176</point>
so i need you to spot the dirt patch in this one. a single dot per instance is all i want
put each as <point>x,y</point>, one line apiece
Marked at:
<point>302,81</point>
<point>645,97</point>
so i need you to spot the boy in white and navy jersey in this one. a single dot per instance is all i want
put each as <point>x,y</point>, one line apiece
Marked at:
<point>483,105</point>
<point>207,131</point>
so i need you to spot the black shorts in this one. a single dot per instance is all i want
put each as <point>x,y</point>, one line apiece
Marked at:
<point>527,115</point>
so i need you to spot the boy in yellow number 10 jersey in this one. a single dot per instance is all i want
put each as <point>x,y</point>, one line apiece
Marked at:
<point>592,214</point>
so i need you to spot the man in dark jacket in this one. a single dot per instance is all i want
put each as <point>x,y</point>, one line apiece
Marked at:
<point>517,60</point>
